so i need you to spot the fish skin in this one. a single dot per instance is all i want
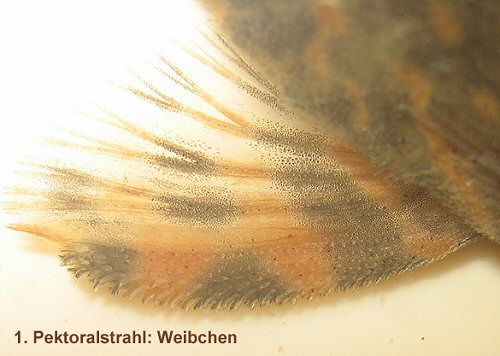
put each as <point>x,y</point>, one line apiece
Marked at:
<point>365,165</point>
<point>414,85</point>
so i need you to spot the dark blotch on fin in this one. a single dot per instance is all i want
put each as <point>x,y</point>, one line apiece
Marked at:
<point>204,207</point>
<point>238,278</point>
<point>102,264</point>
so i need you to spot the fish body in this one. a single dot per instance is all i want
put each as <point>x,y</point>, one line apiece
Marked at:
<point>413,85</point>
<point>365,142</point>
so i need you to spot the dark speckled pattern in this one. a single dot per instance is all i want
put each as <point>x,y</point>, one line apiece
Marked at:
<point>371,146</point>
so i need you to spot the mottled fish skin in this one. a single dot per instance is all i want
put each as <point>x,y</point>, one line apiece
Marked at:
<point>415,85</point>
<point>374,150</point>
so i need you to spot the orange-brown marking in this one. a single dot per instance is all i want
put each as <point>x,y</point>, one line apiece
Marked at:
<point>168,273</point>
<point>418,86</point>
<point>302,262</point>
<point>331,24</point>
<point>38,230</point>
<point>420,91</point>
<point>487,105</point>
<point>423,245</point>
<point>364,172</point>
<point>446,23</point>
<point>361,116</point>
<point>386,194</point>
